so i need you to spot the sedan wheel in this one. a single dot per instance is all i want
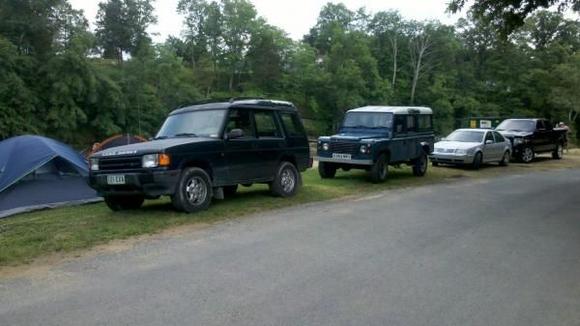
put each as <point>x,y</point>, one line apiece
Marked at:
<point>505,161</point>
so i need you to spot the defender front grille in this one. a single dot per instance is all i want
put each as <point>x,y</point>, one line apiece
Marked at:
<point>120,163</point>
<point>344,148</point>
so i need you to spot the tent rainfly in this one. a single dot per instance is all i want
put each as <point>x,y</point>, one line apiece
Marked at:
<point>38,172</point>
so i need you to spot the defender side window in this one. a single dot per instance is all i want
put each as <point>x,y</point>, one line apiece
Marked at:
<point>241,119</point>
<point>266,125</point>
<point>292,124</point>
<point>400,124</point>
<point>425,122</point>
<point>411,123</point>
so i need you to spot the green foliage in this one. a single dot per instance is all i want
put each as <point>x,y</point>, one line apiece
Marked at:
<point>58,78</point>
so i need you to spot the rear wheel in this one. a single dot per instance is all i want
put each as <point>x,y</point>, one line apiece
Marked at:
<point>380,170</point>
<point>286,182</point>
<point>120,203</point>
<point>326,170</point>
<point>194,191</point>
<point>505,161</point>
<point>527,155</point>
<point>558,154</point>
<point>477,161</point>
<point>420,165</point>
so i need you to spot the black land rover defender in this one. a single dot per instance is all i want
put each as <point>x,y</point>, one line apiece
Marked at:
<point>373,137</point>
<point>206,151</point>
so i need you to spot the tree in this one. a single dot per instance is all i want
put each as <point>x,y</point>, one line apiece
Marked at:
<point>388,26</point>
<point>508,15</point>
<point>122,27</point>
<point>420,48</point>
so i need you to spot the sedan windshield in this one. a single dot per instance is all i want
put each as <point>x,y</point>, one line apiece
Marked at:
<point>517,125</point>
<point>193,124</point>
<point>466,136</point>
<point>368,120</point>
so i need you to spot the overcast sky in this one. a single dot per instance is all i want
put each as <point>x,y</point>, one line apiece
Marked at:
<point>296,17</point>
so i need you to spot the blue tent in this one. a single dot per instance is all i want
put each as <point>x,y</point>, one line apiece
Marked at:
<point>38,172</point>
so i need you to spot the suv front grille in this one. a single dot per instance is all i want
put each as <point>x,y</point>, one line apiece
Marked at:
<point>344,148</point>
<point>120,163</point>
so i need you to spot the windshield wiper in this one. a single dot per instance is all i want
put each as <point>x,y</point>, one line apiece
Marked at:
<point>185,134</point>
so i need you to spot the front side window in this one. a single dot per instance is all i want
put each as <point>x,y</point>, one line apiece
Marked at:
<point>205,123</point>
<point>498,137</point>
<point>489,137</point>
<point>372,120</point>
<point>400,124</point>
<point>266,125</point>
<point>241,119</point>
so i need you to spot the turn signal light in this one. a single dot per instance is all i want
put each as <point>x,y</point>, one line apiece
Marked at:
<point>164,160</point>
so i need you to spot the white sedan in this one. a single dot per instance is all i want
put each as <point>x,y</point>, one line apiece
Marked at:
<point>472,147</point>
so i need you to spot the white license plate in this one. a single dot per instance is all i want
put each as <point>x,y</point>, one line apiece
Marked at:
<point>116,179</point>
<point>342,156</point>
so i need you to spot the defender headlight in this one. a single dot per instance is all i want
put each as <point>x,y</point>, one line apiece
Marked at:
<point>325,147</point>
<point>94,163</point>
<point>365,149</point>
<point>155,160</point>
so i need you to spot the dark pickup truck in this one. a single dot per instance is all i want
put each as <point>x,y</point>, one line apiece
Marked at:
<point>533,136</point>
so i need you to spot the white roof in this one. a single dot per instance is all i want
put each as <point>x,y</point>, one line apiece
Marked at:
<point>394,109</point>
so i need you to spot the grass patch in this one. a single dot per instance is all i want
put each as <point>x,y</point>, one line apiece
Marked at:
<point>26,237</point>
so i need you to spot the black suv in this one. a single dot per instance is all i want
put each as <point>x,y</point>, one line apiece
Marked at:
<point>206,151</point>
<point>373,137</point>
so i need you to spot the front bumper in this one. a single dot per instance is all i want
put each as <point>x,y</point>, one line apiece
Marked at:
<point>451,158</point>
<point>148,183</point>
<point>344,161</point>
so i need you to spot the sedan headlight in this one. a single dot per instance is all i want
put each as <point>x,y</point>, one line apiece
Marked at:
<point>155,160</point>
<point>94,162</point>
<point>461,151</point>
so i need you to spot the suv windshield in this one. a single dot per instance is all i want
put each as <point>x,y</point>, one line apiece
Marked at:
<point>194,123</point>
<point>368,120</point>
<point>466,136</point>
<point>517,125</point>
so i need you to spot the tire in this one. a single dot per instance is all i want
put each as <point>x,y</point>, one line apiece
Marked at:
<point>230,191</point>
<point>421,165</point>
<point>380,170</point>
<point>286,181</point>
<point>527,155</point>
<point>505,161</point>
<point>120,203</point>
<point>194,191</point>
<point>477,161</point>
<point>558,154</point>
<point>326,170</point>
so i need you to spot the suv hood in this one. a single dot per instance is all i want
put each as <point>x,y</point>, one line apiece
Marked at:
<point>151,147</point>
<point>356,136</point>
<point>514,133</point>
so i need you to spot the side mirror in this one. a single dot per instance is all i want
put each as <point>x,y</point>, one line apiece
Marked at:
<point>488,142</point>
<point>235,133</point>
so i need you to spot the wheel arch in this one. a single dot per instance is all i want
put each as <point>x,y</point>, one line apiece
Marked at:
<point>197,163</point>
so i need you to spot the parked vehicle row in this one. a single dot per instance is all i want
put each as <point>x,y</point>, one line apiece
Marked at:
<point>206,151</point>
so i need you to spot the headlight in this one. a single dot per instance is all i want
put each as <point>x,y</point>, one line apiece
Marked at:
<point>155,160</point>
<point>94,164</point>
<point>518,141</point>
<point>325,146</point>
<point>365,149</point>
<point>461,151</point>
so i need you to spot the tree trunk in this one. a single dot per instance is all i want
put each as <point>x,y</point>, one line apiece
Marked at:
<point>395,46</point>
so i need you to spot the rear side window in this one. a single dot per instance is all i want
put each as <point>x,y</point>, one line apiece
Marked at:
<point>425,122</point>
<point>266,124</point>
<point>292,124</point>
